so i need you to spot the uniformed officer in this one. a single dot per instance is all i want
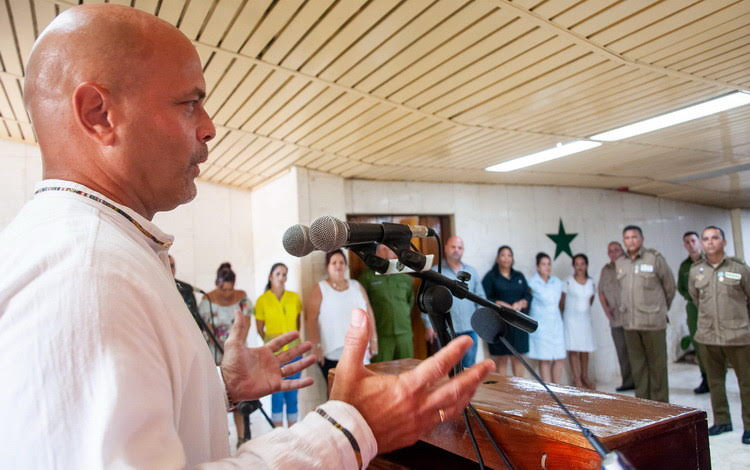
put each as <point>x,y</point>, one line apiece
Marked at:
<point>720,287</point>
<point>647,288</point>
<point>391,297</point>
<point>692,243</point>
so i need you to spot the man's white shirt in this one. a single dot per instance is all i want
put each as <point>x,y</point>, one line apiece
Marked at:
<point>103,365</point>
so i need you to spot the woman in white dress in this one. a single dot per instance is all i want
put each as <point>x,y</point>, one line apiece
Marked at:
<point>547,343</point>
<point>329,309</point>
<point>579,335</point>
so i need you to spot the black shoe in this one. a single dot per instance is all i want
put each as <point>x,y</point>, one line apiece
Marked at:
<point>702,388</point>
<point>717,429</point>
<point>746,437</point>
<point>625,388</point>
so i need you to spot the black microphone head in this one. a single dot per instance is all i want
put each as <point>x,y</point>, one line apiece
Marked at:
<point>297,240</point>
<point>328,233</point>
<point>488,325</point>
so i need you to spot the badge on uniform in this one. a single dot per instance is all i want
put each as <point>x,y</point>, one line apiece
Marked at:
<point>735,276</point>
<point>644,268</point>
<point>700,270</point>
<point>520,281</point>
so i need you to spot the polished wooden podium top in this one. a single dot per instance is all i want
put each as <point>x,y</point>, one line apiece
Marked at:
<point>533,429</point>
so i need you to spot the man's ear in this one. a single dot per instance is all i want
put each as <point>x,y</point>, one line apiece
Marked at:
<point>91,107</point>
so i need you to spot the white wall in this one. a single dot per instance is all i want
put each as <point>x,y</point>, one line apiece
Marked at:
<point>274,209</point>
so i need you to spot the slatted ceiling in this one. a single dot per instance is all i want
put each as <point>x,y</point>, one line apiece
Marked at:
<point>563,65</point>
<point>148,6</point>
<point>639,19</point>
<point>293,107</point>
<point>274,82</point>
<point>716,33</point>
<point>318,102</point>
<point>621,115</point>
<point>193,18</point>
<point>426,53</point>
<point>374,38</point>
<point>486,81</point>
<point>400,40</point>
<point>690,14</point>
<point>351,32</point>
<point>731,48</point>
<point>351,114</point>
<point>474,51</point>
<point>409,132</point>
<point>581,11</point>
<point>335,108</point>
<point>550,84</point>
<point>271,25</point>
<point>221,92</point>
<point>222,16</point>
<point>429,90</point>
<point>371,132</point>
<point>320,33</point>
<point>707,46</point>
<point>720,65</point>
<point>171,10</point>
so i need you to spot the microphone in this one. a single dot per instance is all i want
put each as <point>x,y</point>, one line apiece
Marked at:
<point>329,233</point>
<point>488,325</point>
<point>198,290</point>
<point>297,240</point>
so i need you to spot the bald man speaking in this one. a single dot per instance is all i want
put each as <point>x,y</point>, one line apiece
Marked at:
<point>102,365</point>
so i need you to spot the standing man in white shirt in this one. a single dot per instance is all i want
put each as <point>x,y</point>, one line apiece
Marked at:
<point>102,365</point>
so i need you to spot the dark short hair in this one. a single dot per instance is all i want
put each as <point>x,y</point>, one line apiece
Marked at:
<point>225,274</point>
<point>632,227</point>
<point>690,232</point>
<point>723,237</point>
<point>540,256</point>
<point>330,254</point>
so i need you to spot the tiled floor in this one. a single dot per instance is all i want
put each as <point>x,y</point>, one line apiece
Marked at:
<point>727,450</point>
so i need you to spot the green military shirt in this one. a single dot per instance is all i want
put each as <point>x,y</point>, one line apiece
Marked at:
<point>609,286</point>
<point>391,298</point>
<point>647,289</point>
<point>721,294</point>
<point>682,279</point>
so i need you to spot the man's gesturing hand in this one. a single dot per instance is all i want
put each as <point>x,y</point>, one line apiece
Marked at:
<point>250,373</point>
<point>400,409</point>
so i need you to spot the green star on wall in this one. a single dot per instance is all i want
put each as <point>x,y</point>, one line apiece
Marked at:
<point>562,240</point>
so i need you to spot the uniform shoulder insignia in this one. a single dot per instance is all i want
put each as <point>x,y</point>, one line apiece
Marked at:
<point>655,252</point>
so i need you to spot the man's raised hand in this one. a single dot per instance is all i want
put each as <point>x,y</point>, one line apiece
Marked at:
<point>250,373</point>
<point>400,409</point>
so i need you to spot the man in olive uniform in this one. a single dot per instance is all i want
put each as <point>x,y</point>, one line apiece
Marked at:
<point>692,243</point>
<point>609,296</point>
<point>720,287</point>
<point>647,289</point>
<point>391,298</point>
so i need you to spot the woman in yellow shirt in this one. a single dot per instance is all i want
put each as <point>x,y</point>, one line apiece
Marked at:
<point>278,311</point>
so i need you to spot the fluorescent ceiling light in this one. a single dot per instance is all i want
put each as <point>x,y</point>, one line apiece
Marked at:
<point>545,155</point>
<point>706,108</point>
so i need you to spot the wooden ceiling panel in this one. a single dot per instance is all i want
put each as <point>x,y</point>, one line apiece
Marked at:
<point>437,90</point>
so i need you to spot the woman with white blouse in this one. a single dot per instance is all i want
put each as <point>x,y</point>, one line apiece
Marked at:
<point>579,335</point>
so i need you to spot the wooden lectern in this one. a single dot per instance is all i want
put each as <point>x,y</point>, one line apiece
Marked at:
<point>536,434</point>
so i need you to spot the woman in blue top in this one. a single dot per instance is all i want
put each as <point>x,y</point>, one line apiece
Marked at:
<point>506,286</point>
<point>547,343</point>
